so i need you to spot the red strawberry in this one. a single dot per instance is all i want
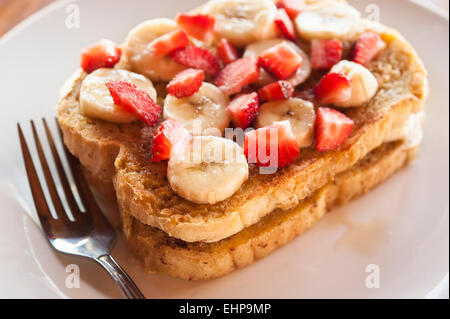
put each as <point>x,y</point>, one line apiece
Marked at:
<point>262,145</point>
<point>332,129</point>
<point>237,75</point>
<point>292,7</point>
<point>325,53</point>
<point>186,83</point>
<point>104,54</point>
<point>169,42</point>
<point>367,46</point>
<point>285,24</point>
<point>135,100</point>
<point>243,109</point>
<point>197,58</point>
<point>281,60</point>
<point>227,52</point>
<point>198,26</point>
<point>333,88</point>
<point>280,90</point>
<point>169,133</point>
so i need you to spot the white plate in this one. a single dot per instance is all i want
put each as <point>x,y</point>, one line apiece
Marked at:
<point>402,226</point>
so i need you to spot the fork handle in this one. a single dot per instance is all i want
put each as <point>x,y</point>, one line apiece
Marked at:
<point>121,278</point>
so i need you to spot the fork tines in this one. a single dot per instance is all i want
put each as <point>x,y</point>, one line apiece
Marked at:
<point>38,194</point>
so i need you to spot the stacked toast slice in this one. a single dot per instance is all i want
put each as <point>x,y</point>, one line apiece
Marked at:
<point>172,235</point>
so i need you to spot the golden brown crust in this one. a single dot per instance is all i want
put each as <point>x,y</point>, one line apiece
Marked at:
<point>95,142</point>
<point>149,198</point>
<point>142,187</point>
<point>157,252</point>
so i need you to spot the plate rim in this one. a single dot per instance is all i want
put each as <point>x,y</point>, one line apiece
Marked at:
<point>443,285</point>
<point>427,5</point>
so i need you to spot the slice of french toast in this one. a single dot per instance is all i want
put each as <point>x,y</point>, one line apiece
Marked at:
<point>159,253</point>
<point>121,152</point>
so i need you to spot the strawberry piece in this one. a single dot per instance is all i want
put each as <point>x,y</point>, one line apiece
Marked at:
<point>243,110</point>
<point>197,58</point>
<point>169,133</point>
<point>186,83</point>
<point>199,26</point>
<point>280,90</point>
<point>325,53</point>
<point>227,52</point>
<point>285,24</point>
<point>237,75</point>
<point>332,129</point>
<point>367,46</point>
<point>104,54</point>
<point>135,100</point>
<point>333,88</point>
<point>262,145</point>
<point>292,7</point>
<point>281,60</point>
<point>169,42</point>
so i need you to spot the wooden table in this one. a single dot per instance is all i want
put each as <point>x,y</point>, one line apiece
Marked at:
<point>14,11</point>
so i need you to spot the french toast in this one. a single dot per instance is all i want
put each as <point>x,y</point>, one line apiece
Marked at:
<point>159,253</point>
<point>98,144</point>
<point>172,234</point>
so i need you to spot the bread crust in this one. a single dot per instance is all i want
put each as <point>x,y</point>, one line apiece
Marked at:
<point>159,253</point>
<point>121,153</point>
<point>402,93</point>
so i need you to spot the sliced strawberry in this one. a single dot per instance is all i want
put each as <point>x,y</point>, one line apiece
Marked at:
<point>280,90</point>
<point>199,26</point>
<point>237,75</point>
<point>333,88</point>
<point>135,100</point>
<point>197,58</point>
<point>285,24</point>
<point>292,7</point>
<point>169,42</point>
<point>186,83</point>
<point>169,133</point>
<point>332,129</point>
<point>243,109</point>
<point>325,53</point>
<point>273,146</point>
<point>104,54</point>
<point>367,46</point>
<point>281,60</point>
<point>227,52</point>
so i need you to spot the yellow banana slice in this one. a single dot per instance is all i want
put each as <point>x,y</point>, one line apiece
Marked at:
<point>204,113</point>
<point>210,170</point>
<point>97,102</point>
<point>243,21</point>
<point>364,83</point>
<point>298,112</point>
<point>142,60</point>
<point>326,20</point>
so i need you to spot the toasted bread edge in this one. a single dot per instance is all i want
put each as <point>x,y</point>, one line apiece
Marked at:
<point>159,253</point>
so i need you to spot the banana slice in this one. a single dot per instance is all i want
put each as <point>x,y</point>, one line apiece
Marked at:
<point>243,21</point>
<point>364,83</point>
<point>210,170</point>
<point>97,102</point>
<point>142,60</point>
<point>327,19</point>
<point>298,112</point>
<point>204,113</point>
<point>255,49</point>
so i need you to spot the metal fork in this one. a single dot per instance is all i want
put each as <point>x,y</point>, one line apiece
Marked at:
<point>90,234</point>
